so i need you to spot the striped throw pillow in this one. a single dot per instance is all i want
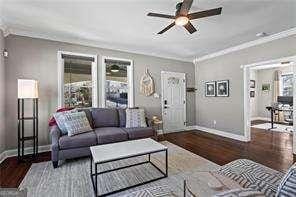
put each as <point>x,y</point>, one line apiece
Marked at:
<point>287,187</point>
<point>77,123</point>
<point>135,118</point>
<point>60,119</point>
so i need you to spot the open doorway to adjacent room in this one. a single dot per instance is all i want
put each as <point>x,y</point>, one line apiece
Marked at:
<point>269,94</point>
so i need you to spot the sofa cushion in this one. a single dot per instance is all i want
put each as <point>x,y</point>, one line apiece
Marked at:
<point>110,134</point>
<point>122,117</point>
<point>104,117</point>
<point>140,132</point>
<point>76,141</point>
<point>287,186</point>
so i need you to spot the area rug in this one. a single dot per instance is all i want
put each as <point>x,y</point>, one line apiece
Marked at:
<point>277,127</point>
<point>72,177</point>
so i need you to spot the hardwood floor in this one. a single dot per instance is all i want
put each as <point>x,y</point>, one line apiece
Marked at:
<point>273,149</point>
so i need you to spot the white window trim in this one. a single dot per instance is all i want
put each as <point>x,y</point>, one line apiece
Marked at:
<point>94,73</point>
<point>130,77</point>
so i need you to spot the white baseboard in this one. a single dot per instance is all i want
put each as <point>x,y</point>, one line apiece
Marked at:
<point>260,118</point>
<point>222,133</point>
<point>188,128</point>
<point>28,150</point>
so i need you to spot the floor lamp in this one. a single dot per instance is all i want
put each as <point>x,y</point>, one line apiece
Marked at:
<point>27,90</point>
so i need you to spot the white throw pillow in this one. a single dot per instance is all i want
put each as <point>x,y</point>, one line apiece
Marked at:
<point>76,123</point>
<point>135,118</point>
<point>60,119</point>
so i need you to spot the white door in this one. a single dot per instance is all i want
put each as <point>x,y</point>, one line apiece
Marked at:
<point>173,101</point>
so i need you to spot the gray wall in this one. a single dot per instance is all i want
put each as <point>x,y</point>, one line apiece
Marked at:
<point>37,59</point>
<point>228,112</point>
<point>2,94</point>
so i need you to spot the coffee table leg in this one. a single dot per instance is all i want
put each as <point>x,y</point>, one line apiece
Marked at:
<point>166,162</point>
<point>96,180</point>
<point>149,157</point>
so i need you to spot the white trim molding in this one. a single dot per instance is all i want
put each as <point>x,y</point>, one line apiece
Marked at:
<point>222,133</point>
<point>28,150</point>
<point>263,40</point>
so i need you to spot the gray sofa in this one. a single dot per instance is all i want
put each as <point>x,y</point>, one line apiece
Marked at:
<point>108,127</point>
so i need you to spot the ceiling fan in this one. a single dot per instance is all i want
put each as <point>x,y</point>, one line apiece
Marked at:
<point>182,16</point>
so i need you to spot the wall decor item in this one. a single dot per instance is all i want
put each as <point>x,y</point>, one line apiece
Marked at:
<point>252,83</point>
<point>252,94</point>
<point>222,88</point>
<point>210,89</point>
<point>266,87</point>
<point>147,84</point>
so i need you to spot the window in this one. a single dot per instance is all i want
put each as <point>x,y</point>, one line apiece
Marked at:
<point>286,85</point>
<point>117,83</point>
<point>77,80</point>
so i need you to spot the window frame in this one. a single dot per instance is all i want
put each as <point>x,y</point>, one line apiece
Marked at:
<point>130,78</point>
<point>281,82</point>
<point>61,72</point>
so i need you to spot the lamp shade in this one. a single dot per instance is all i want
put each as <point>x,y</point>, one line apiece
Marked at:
<point>27,88</point>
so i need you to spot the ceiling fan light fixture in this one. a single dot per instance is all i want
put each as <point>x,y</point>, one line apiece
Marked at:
<point>181,20</point>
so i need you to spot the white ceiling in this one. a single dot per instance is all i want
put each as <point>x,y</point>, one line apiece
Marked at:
<point>123,24</point>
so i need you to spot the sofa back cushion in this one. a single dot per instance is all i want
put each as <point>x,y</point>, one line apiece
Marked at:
<point>105,117</point>
<point>122,117</point>
<point>287,186</point>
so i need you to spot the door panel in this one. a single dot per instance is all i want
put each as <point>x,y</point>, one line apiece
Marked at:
<point>173,101</point>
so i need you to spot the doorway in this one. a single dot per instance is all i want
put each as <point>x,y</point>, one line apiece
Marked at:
<point>173,100</point>
<point>273,94</point>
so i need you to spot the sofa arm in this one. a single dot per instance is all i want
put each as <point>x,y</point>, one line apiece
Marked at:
<point>55,133</point>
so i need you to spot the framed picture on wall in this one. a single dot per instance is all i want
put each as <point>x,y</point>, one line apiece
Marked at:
<point>222,88</point>
<point>252,83</point>
<point>210,89</point>
<point>252,94</point>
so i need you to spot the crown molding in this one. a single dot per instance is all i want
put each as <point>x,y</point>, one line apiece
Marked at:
<point>90,43</point>
<point>245,45</point>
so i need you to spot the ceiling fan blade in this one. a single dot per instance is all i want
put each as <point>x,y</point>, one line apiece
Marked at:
<point>186,5</point>
<point>206,13</point>
<point>190,28</point>
<point>167,28</point>
<point>160,15</point>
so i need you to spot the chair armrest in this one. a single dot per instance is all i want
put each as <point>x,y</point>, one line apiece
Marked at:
<point>55,133</point>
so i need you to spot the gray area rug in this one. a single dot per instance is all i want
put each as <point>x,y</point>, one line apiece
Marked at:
<point>72,178</point>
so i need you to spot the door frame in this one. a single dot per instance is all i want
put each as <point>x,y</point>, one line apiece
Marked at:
<point>94,76</point>
<point>162,103</point>
<point>130,77</point>
<point>247,113</point>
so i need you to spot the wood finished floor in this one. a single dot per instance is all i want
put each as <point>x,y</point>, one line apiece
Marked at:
<point>273,149</point>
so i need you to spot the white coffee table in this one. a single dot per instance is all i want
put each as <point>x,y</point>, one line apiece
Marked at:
<point>123,150</point>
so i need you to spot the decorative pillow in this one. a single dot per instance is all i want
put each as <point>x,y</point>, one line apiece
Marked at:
<point>76,123</point>
<point>60,119</point>
<point>287,186</point>
<point>135,118</point>
<point>240,193</point>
